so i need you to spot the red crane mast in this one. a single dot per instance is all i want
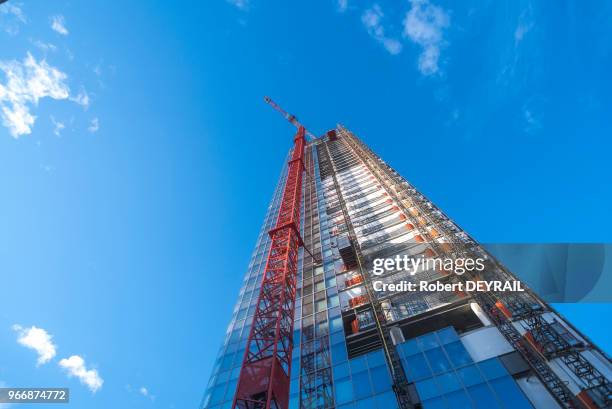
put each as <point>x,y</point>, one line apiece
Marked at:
<point>264,377</point>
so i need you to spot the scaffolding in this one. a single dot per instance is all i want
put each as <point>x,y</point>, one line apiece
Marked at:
<point>541,343</point>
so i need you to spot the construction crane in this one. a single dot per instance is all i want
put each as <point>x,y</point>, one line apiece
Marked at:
<point>289,117</point>
<point>266,367</point>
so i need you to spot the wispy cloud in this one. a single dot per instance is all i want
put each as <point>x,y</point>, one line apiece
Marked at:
<point>94,125</point>
<point>75,366</point>
<point>341,5</point>
<point>58,126</point>
<point>41,45</point>
<point>424,24</point>
<point>372,20</point>
<point>524,25</point>
<point>533,114</point>
<point>240,4</point>
<point>25,84</point>
<point>58,24</point>
<point>37,339</point>
<point>11,17</point>
<point>145,392</point>
<point>82,98</point>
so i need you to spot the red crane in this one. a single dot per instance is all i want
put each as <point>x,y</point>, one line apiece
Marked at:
<point>289,117</point>
<point>264,377</point>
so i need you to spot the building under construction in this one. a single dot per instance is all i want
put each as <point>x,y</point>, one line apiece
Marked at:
<point>309,330</point>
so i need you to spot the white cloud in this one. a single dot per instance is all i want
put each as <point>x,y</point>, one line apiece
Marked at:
<point>75,366</point>
<point>372,20</point>
<point>37,339</point>
<point>43,46</point>
<point>146,393</point>
<point>82,98</point>
<point>58,126</point>
<point>26,83</point>
<point>525,24</point>
<point>58,24</point>
<point>11,16</point>
<point>342,5</point>
<point>241,4</point>
<point>94,126</point>
<point>424,24</point>
<point>533,114</point>
<point>143,390</point>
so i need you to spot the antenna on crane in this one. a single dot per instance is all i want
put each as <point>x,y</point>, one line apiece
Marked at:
<point>289,117</point>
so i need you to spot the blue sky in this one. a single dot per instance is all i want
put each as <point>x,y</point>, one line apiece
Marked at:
<point>138,157</point>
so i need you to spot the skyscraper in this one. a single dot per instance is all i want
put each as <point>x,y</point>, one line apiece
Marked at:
<point>358,343</point>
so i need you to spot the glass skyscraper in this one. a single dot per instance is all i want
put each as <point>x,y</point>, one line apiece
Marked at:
<point>358,347</point>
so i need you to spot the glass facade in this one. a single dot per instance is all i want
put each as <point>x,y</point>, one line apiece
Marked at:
<point>348,340</point>
<point>446,376</point>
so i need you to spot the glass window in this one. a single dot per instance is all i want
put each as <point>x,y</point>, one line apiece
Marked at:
<point>335,324</point>
<point>376,358</point>
<point>223,377</point>
<point>448,382</point>
<point>361,385</point>
<point>435,403</point>
<point>447,335</point>
<point>483,397</point>
<point>409,347</point>
<point>365,403</point>
<point>416,367</point>
<point>492,368</point>
<point>231,389</point>
<point>339,353</point>
<point>470,375</point>
<point>217,394</point>
<point>380,379</point>
<point>333,301</point>
<point>344,391</point>
<point>235,373</point>
<point>458,354</point>
<point>358,364</point>
<point>320,306</point>
<point>427,389</point>
<point>320,286</point>
<point>337,338</point>
<point>437,360</point>
<point>341,371</point>
<point>509,393</point>
<point>334,312</point>
<point>427,341</point>
<point>386,400</point>
<point>459,400</point>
